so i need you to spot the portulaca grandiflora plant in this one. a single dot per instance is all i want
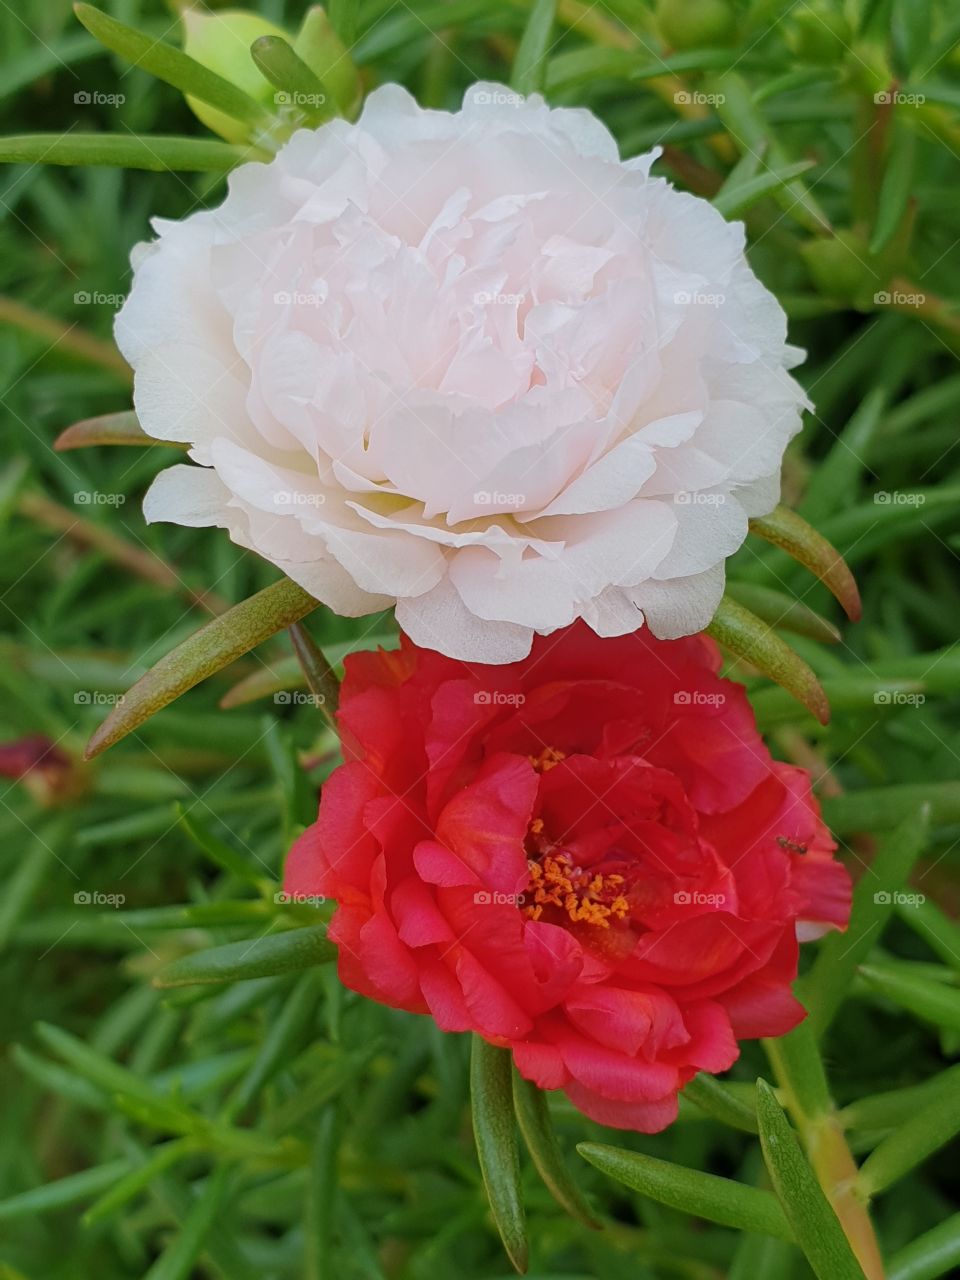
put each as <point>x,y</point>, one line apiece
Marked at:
<point>484,362</point>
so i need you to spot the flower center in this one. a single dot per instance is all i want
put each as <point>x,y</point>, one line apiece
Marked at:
<point>548,759</point>
<point>585,896</point>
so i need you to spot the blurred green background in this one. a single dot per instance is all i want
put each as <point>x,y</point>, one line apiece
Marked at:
<point>280,1127</point>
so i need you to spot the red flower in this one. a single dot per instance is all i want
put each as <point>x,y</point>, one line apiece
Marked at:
<point>588,857</point>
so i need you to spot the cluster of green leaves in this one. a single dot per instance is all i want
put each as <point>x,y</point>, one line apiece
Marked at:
<point>200,1095</point>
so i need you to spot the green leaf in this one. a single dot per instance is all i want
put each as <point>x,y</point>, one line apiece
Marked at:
<point>823,989</point>
<point>816,1226</point>
<point>302,91</point>
<point>125,1188</point>
<point>533,1116</point>
<point>925,1132</point>
<point>733,199</point>
<point>162,154</point>
<point>783,612</point>
<point>880,808</point>
<point>704,1195</point>
<point>835,481</point>
<point>934,1001</point>
<point>112,428</point>
<point>745,636</point>
<point>707,1093</point>
<point>939,932</point>
<point>218,850</point>
<point>789,531</point>
<point>322,1196</point>
<point>896,186</point>
<point>888,1110</point>
<point>749,130</point>
<point>174,67</point>
<point>931,1255</point>
<point>177,1261</point>
<point>844,693</point>
<point>209,650</point>
<point>261,957</point>
<point>495,1132</point>
<point>529,66</point>
<point>319,674</point>
<point>282,1041</point>
<point>64,1192</point>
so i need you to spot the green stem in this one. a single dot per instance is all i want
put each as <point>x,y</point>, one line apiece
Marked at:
<point>798,1067</point>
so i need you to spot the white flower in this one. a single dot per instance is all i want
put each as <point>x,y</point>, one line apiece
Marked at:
<point>470,363</point>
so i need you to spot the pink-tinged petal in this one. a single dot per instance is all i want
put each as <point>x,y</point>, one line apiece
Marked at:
<point>437,865</point>
<point>641,1117</point>
<point>444,996</point>
<point>556,957</point>
<point>419,922</point>
<point>541,1063</point>
<point>485,823</point>
<point>824,889</point>
<point>612,1073</point>
<point>491,1005</point>
<point>337,851</point>
<point>388,963</point>
<point>712,1045</point>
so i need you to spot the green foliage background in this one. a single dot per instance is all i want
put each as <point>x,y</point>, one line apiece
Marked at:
<point>286,1128</point>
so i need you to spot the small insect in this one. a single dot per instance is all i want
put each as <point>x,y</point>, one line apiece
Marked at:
<point>792,845</point>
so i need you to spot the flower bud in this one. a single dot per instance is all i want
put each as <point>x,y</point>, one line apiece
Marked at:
<point>325,54</point>
<point>221,43</point>
<point>841,270</point>
<point>692,24</point>
<point>819,34</point>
